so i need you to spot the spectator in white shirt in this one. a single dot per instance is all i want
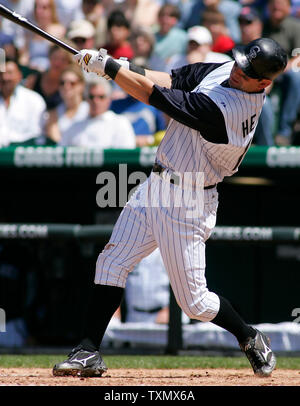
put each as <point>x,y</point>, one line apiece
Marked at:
<point>102,128</point>
<point>199,49</point>
<point>22,111</point>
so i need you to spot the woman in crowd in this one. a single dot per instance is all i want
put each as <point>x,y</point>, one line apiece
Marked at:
<point>142,41</point>
<point>36,49</point>
<point>73,107</point>
<point>47,83</point>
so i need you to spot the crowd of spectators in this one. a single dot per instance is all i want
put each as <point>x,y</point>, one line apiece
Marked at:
<point>44,99</point>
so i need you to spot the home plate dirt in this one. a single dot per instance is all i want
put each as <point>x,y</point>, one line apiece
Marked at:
<point>150,377</point>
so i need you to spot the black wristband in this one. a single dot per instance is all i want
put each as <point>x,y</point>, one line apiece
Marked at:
<point>112,68</point>
<point>137,69</point>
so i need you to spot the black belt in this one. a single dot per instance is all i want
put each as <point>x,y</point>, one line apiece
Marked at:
<point>159,170</point>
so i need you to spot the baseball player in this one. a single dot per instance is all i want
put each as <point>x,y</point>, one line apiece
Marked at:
<point>214,109</point>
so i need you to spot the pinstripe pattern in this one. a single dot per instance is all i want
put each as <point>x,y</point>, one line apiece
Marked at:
<point>184,150</point>
<point>147,222</point>
<point>141,228</point>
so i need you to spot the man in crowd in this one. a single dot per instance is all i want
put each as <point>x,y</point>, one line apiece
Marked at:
<point>102,128</point>
<point>285,29</point>
<point>22,111</point>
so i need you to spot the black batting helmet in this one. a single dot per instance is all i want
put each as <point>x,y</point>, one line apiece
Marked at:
<point>262,58</point>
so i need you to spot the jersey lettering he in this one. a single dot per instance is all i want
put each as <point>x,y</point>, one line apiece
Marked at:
<point>245,125</point>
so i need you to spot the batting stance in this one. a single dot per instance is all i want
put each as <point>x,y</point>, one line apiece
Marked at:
<point>214,110</point>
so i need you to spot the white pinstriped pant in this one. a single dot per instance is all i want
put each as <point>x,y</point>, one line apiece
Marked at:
<point>181,240</point>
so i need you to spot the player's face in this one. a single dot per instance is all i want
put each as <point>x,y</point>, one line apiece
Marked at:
<point>239,80</point>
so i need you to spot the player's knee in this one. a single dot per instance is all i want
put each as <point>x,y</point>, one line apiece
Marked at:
<point>110,272</point>
<point>199,314</point>
<point>205,309</point>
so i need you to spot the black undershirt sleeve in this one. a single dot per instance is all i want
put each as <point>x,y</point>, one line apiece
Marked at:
<point>189,76</point>
<point>195,110</point>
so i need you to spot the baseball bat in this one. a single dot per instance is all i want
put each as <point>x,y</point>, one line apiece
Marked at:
<point>23,22</point>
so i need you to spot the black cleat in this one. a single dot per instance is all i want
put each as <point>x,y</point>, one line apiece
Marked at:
<point>81,363</point>
<point>259,354</point>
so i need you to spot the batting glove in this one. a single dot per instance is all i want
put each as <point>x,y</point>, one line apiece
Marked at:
<point>92,61</point>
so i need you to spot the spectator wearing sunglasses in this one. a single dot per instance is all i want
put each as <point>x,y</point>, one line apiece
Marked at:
<point>47,83</point>
<point>82,34</point>
<point>102,128</point>
<point>73,107</point>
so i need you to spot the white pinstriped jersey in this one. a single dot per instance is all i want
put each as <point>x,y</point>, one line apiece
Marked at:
<point>211,129</point>
<point>183,149</point>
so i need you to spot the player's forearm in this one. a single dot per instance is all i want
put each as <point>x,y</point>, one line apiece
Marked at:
<point>136,81</point>
<point>138,86</point>
<point>162,79</point>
